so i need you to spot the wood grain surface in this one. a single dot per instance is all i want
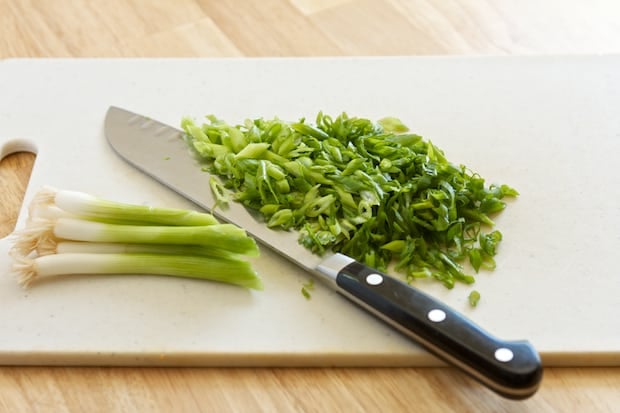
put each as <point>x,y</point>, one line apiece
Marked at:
<point>203,28</point>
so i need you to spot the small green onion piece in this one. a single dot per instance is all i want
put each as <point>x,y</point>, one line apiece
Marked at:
<point>391,124</point>
<point>207,268</point>
<point>306,288</point>
<point>473,298</point>
<point>253,151</point>
<point>475,258</point>
<point>219,192</point>
<point>508,191</point>
<point>227,236</point>
<point>283,218</point>
<point>394,246</point>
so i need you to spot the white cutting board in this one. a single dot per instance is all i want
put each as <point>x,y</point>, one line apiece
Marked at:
<point>549,126</point>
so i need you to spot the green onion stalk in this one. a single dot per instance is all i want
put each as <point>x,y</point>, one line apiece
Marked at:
<point>70,232</point>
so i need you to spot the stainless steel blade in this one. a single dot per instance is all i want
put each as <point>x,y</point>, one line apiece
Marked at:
<point>161,151</point>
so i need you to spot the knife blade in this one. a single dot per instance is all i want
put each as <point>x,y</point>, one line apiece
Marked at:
<point>512,369</point>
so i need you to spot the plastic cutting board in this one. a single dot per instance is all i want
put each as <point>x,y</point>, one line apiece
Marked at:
<point>548,126</point>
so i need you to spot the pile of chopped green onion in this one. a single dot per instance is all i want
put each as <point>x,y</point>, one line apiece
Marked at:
<point>371,190</point>
<point>72,232</point>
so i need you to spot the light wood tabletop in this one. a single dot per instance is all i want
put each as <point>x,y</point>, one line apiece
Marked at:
<point>227,28</point>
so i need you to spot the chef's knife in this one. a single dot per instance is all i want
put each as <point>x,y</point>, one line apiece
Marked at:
<point>511,368</point>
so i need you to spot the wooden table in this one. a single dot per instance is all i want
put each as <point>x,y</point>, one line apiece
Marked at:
<point>78,28</point>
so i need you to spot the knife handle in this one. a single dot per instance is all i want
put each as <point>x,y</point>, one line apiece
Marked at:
<point>510,368</point>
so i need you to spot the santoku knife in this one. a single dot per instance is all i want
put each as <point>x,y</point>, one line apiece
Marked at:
<point>511,368</point>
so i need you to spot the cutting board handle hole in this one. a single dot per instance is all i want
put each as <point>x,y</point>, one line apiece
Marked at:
<point>16,165</point>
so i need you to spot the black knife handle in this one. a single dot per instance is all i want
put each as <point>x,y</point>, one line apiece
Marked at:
<point>511,368</point>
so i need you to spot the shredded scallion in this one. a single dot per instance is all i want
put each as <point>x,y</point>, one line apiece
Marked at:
<point>371,190</point>
<point>190,266</point>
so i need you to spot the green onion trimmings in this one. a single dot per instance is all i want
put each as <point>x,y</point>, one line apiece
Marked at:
<point>371,190</point>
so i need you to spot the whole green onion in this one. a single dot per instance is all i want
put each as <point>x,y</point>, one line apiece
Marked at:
<point>226,236</point>
<point>87,206</point>
<point>70,232</point>
<point>208,268</point>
